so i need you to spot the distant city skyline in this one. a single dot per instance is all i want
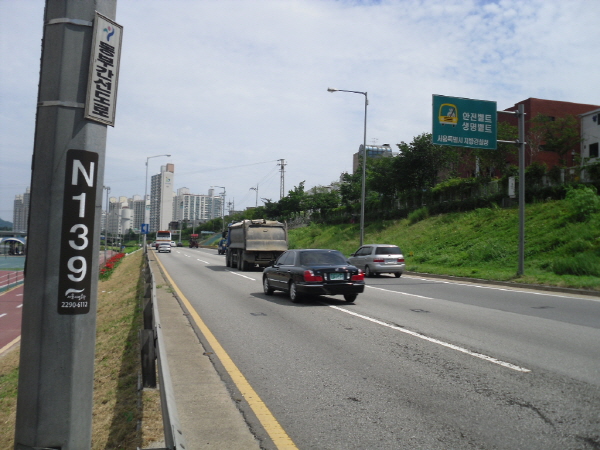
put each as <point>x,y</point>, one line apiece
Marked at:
<point>228,106</point>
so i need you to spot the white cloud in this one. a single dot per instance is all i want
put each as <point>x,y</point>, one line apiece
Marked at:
<point>229,87</point>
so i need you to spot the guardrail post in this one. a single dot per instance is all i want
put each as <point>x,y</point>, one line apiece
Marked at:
<point>147,344</point>
<point>147,334</point>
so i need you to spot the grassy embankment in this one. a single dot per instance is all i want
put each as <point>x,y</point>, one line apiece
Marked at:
<point>561,248</point>
<point>123,417</point>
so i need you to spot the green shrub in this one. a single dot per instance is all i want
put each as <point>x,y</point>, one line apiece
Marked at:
<point>489,250</point>
<point>593,171</point>
<point>577,246</point>
<point>580,264</point>
<point>534,172</point>
<point>583,202</point>
<point>418,215</point>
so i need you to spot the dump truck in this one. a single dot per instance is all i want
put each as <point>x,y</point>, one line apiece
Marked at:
<point>253,243</point>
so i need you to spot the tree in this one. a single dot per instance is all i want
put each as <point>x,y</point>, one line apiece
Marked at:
<point>497,159</point>
<point>350,188</point>
<point>294,202</point>
<point>324,200</point>
<point>380,176</point>
<point>419,164</point>
<point>560,135</point>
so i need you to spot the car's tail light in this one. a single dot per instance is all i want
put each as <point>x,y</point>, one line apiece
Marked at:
<point>360,276</point>
<point>401,260</point>
<point>378,260</point>
<point>310,276</point>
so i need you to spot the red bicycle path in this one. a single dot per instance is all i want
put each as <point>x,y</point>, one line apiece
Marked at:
<point>11,311</point>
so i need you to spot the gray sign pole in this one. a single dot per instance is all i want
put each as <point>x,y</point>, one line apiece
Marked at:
<point>520,113</point>
<point>55,396</point>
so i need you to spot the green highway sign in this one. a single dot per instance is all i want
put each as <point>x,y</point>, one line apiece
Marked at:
<point>463,122</point>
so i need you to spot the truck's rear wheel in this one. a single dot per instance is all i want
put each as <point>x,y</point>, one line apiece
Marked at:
<point>228,259</point>
<point>240,261</point>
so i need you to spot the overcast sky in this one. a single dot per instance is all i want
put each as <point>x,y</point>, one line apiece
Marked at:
<point>230,87</point>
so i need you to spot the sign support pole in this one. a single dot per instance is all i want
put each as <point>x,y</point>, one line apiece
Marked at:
<point>56,374</point>
<point>521,116</point>
<point>520,113</point>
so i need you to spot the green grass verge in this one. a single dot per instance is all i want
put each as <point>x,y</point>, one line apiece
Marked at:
<point>123,417</point>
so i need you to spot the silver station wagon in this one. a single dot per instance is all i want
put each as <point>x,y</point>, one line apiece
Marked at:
<point>375,259</point>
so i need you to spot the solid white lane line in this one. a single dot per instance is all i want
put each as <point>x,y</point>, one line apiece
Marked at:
<point>514,290</point>
<point>240,275</point>
<point>435,341</point>
<point>400,292</point>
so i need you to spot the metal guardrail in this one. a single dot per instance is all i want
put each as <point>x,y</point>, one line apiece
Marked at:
<point>11,280</point>
<point>153,351</point>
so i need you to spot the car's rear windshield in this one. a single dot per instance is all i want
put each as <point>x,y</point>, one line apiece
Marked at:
<point>321,258</point>
<point>388,251</point>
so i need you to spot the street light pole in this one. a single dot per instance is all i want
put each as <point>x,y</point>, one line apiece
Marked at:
<point>364,164</point>
<point>146,195</point>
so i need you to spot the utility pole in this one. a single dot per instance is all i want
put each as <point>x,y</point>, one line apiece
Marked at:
<point>56,373</point>
<point>256,190</point>
<point>282,165</point>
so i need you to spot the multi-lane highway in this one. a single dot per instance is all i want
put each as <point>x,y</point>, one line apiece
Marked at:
<point>414,363</point>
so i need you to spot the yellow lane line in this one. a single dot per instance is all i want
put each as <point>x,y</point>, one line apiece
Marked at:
<point>276,432</point>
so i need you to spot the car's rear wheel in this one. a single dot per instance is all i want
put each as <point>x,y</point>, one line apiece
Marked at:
<point>397,274</point>
<point>267,287</point>
<point>350,297</point>
<point>368,272</point>
<point>293,292</point>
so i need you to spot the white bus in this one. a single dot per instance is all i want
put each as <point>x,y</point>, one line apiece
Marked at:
<point>162,237</point>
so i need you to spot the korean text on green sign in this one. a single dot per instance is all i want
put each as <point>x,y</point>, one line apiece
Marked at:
<point>464,122</point>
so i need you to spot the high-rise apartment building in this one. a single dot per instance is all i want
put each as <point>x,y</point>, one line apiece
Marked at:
<point>161,198</point>
<point>138,207</point>
<point>122,215</point>
<point>21,211</point>
<point>115,206</point>
<point>196,207</point>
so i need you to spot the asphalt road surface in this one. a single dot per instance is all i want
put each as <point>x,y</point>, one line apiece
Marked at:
<point>414,363</point>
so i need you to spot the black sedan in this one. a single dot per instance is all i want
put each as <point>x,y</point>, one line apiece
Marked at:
<point>313,272</point>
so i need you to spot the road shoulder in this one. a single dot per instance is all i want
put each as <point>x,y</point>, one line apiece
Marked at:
<point>207,414</point>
